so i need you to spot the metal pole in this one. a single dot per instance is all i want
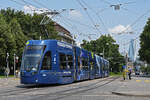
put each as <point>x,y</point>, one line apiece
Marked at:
<point>7,69</point>
<point>103,52</point>
<point>14,65</point>
<point>126,63</point>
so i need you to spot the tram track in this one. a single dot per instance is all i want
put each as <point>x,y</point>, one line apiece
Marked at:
<point>70,92</point>
<point>36,88</point>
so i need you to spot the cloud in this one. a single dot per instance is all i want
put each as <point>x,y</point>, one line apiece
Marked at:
<point>75,14</point>
<point>120,29</point>
<point>31,9</point>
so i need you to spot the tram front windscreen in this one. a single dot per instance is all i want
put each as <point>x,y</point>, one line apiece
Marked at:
<point>31,57</point>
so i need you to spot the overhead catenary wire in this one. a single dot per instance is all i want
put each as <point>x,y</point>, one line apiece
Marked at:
<point>67,19</point>
<point>95,14</point>
<point>138,19</point>
<point>128,11</point>
<point>65,22</point>
<point>73,27</point>
<point>78,22</point>
<point>28,3</point>
<point>17,2</point>
<point>85,9</point>
<point>105,1</point>
<point>133,12</point>
<point>102,10</point>
<point>42,5</point>
<point>24,3</point>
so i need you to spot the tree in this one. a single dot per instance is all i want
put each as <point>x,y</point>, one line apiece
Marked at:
<point>20,38</point>
<point>30,24</point>
<point>144,51</point>
<point>16,28</point>
<point>7,42</point>
<point>106,44</point>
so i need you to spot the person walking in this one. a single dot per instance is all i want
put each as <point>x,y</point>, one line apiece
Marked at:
<point>129,73</point>
<point>7,71</point>
<point>124,74</point>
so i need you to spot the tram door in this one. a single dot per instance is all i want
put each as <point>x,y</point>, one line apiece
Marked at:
<point>75,65</point>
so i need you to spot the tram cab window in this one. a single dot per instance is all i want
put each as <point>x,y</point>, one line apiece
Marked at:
<point>46,64</point>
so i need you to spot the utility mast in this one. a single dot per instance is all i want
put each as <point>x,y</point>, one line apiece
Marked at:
<point>46,19</point>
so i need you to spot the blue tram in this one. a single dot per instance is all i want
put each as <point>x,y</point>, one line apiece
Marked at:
<point>55,62</point>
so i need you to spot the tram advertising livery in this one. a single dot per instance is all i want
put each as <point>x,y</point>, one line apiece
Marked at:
<point>55,62</point>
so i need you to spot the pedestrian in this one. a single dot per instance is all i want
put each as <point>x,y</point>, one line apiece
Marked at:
<point>7,71</point>
<point>124,74</point>
<point>16,73</point>
<point>129,73</point>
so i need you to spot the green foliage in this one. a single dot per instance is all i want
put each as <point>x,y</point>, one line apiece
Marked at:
<point>7,41</point>
<point>16,28</point>
<point>116,74</point>
<point>144,51</point>
<point>20,38</point>
<point>145,69</point>
<point>107,45</point>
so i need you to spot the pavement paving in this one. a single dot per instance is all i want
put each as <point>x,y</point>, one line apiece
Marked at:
<point>138,87</point>
<point>99,89</point>
<point>9,82</point>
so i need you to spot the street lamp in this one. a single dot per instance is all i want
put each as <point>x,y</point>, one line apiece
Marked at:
<point>7,60</point>
<point>104,50</point>
<point>15,61</point>
<point>7,71</point>
<point>14,64</point>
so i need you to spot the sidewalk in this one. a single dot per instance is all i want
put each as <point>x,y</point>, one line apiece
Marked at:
<point>138,87</point>
<point>8,82</point>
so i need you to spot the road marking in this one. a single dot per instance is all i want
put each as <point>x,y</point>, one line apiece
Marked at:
<point>138,80</point>
<point>146,81</point>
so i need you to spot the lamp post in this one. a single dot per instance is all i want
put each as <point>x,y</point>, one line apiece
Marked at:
<point>15,61</point>
<point>14,64</point>
<point>7,60</point>
<point>7,71</point>
<point>104,50</point>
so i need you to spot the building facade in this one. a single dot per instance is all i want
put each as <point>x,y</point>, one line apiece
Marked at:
<point>64,33</point>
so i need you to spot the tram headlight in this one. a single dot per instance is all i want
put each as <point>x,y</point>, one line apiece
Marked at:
<point>34,69</point>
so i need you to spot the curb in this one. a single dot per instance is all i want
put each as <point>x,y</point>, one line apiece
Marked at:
<point>131,94</point>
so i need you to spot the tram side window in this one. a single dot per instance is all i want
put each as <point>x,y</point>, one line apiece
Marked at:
<point>46,64</point>
<point>78,62</point>
<point>107,67</point>
<point>92,65</point>
<point>63,61</point>
<point>70,61</point>
<point>85,63</point>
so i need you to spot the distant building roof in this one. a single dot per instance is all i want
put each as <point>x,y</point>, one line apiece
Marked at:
<point>64,33</point>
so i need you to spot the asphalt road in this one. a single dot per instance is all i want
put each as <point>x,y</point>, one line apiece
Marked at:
<point>98,89</point>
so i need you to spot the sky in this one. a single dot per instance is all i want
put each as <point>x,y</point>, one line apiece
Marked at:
<point>89,19</point>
